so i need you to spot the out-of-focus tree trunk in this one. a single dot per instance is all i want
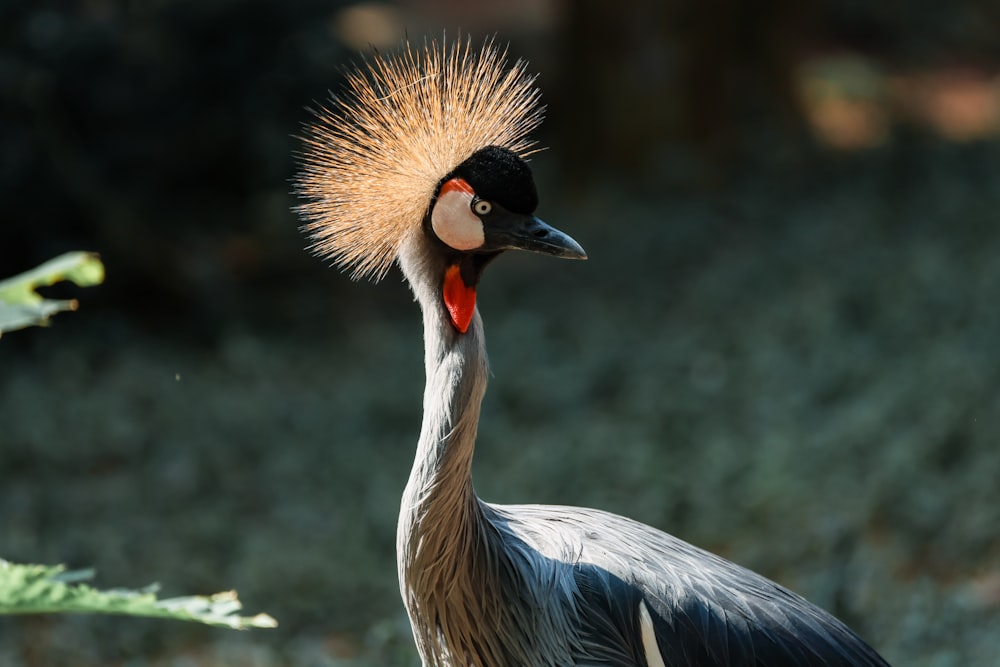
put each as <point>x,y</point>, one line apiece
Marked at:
<point>656,72</point>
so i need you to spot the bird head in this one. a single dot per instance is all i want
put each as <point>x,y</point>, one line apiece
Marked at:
<point>430,143</point>
<point>485,206</point>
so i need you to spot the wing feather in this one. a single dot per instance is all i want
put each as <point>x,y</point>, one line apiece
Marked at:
<point>705,609</point>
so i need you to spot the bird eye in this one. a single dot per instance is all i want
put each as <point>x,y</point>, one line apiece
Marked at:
<point>482,207</point>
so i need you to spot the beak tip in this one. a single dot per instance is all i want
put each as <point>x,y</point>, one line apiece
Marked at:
<point>535,235</point>
<point>575,250</point>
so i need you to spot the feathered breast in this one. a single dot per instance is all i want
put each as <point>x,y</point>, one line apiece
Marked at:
<point>373,158</point>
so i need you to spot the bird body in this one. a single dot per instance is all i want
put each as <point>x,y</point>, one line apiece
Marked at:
<point>520,585</point>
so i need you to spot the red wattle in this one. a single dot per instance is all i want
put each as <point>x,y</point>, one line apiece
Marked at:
<point>459,299</point>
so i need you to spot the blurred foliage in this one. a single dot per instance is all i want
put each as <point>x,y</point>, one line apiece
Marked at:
<point>42,589</point>
<point>22,306</point>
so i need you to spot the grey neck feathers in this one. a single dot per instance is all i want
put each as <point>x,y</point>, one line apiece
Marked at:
<point>456,369</point>
<point>443,540</point>
<point>463,575</point>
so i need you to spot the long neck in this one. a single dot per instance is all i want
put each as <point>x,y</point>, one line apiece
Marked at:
<point>456,369</point>
<point>441,525</point>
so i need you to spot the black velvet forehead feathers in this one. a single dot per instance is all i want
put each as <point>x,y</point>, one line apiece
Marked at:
<point>499,175</point>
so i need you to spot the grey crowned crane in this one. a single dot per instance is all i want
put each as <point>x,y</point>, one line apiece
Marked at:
<point>422,163</point>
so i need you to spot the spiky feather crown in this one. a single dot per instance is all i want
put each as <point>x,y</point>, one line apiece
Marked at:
<point>373,159</point>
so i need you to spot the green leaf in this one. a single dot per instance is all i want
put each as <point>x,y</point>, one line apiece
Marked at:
<point>46,589</point>
<point>22,306</point>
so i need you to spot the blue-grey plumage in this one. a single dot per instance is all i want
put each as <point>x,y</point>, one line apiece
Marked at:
<point>423,163</point>
<point>500,586</point>
<point>704,609</point>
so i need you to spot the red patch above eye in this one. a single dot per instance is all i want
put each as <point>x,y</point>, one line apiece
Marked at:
<point>457,185</point>
<point>459,299</point>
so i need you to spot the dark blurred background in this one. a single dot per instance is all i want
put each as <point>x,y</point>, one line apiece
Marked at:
<point>785,346</point>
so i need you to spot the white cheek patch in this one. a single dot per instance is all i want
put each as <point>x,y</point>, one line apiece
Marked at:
<point>455,223</point>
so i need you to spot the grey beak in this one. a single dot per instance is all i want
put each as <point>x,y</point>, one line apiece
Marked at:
<point>526,232</point>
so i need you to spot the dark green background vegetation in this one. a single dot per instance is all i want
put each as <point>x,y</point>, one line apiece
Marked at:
<point>785,346</point>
